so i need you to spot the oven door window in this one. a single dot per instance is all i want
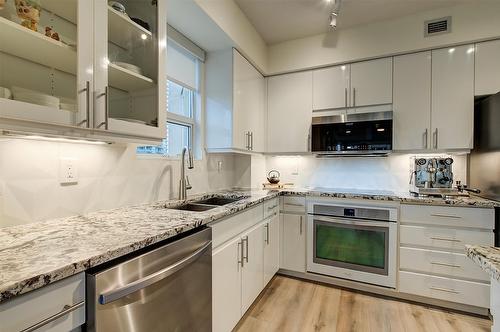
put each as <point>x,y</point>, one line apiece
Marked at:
<point>355,247</point>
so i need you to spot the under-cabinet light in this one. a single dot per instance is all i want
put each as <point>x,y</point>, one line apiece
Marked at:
<point>52,138</point>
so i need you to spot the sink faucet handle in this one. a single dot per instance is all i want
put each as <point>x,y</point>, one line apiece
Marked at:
<point>188,185</point>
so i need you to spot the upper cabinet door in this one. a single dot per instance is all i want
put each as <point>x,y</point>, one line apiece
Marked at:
<point>248,105</point>
<point>130,81</point>
<point>46,68</point>
<point>331,87</point>
<point>452,117</point>
<point>371,82</point>
<point>412,101</point>
<point>289,112</point>
<point>487,71</point>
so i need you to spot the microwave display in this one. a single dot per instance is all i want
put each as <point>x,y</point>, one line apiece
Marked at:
<point>352,136</point>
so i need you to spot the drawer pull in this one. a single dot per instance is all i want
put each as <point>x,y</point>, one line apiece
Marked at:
<point>66,310</point>
<point>445,239</point>
<point>444,290</point>
<point>445,216</point>
<point>272,207</point>
<point>294,204</point>
<point>446,264</point>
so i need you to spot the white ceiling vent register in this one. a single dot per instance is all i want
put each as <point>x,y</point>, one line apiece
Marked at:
<point>437,26</point>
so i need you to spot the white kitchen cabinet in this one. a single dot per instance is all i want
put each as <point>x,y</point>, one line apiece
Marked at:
<point>371,82</point>
<point>129,102</point>
<point>293,242</point>
<point>412,101</point>
<point>289,112</point>
<point>452,116</point>
<point>487,68</point>
<point>252,278</point>
<point>236,93</point>
<point>95,96</point>
<point>31,62</point>
<point>271,247</point>
<point>43,307</point>
<point>226,285</point>
<point>331,87</point>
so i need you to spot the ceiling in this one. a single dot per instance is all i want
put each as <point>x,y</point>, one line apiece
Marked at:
<point>280,20</point>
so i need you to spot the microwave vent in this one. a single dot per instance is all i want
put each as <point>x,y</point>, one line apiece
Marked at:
<point>437,26</point>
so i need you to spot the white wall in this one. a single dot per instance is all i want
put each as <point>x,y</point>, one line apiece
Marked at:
<point>229,17</point>
<point>109,177</point>
<point>470,22</point>
<point>381,173</point>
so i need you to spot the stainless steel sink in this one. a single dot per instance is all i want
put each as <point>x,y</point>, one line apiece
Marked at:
<point>219,201</point>
<point>194,207</point>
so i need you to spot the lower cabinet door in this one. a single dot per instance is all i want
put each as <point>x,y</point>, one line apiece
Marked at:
<point>253,266</point>
<point>293,242</point>
<point>226,286</point>
<point>271,248</point>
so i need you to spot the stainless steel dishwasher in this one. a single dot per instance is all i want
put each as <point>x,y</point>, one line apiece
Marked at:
<point>166,289</point>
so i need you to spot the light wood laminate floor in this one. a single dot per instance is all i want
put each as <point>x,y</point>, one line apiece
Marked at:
<point>294,305</point>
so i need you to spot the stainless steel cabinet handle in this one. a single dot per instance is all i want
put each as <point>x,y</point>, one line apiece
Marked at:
<point>435,138</point>
<point>267,233</point>
<point>66,310</point>
<point>345,97</point>
<point>445,264</point>
<point>251,140</point>
<point>118,293</point>
<point>106,109</point>
<point>354,97</point>
<point>444,290</point>
<point>445,239</point>
<point>300,227</point>
<point>245,241</point>
<point>445,216</point>
<point>294,204</point>
<point>240,253</point>
<point>425,136</point>
<point>87,106</point>
<point>272,207</point>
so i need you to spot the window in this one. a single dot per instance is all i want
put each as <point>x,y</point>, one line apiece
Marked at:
<point>182,102</point>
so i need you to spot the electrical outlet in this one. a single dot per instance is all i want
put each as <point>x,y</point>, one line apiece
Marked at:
<point>219,166</point>
<point>68,171</point>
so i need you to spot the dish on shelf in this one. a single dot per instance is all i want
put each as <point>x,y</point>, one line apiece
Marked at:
<point>5,93</point>
<point>118,7</point>
<point>34,97</point>
<point>129,66</point>
<point>132,120</point>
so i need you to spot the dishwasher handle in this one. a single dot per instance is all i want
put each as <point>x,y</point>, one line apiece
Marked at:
<point>118,293</point>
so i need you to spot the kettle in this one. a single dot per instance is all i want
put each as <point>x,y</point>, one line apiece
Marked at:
<point>273,177</point>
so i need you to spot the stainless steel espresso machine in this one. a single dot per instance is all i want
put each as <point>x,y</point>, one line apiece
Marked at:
<point>434,177</point>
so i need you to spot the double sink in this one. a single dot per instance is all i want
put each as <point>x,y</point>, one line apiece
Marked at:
<point>206,204</point>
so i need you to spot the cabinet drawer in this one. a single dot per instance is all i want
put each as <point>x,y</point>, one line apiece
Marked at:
<point>44,304</point>
<point>448,289</point>
<point>448,216</point>
<point>440,262</point>
<point>443,238</point>
<point>271,207</point>
<point>228,228</point>
<point>294,204</point>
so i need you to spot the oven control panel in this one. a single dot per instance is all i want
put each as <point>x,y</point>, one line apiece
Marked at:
<point>350,212</point>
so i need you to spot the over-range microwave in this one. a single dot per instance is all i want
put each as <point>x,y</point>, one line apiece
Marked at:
<point>352,134</point>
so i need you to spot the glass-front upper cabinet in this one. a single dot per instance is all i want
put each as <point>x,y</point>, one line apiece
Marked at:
<point>46,61</point>
<point>130,67</point>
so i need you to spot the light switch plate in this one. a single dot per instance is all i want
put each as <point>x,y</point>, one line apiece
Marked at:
<point>68,171</point>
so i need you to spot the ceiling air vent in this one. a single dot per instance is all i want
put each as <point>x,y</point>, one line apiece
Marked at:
<point>437,26</point>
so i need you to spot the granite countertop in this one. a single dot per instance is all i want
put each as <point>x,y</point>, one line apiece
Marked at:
<point>37,254</point>
<point>487,257</point>
<point>401,197</point>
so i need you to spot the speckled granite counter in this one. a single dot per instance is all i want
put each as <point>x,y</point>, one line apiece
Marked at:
<point>35,255</point>
<point>486,257</point>
<point>402,197</point>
